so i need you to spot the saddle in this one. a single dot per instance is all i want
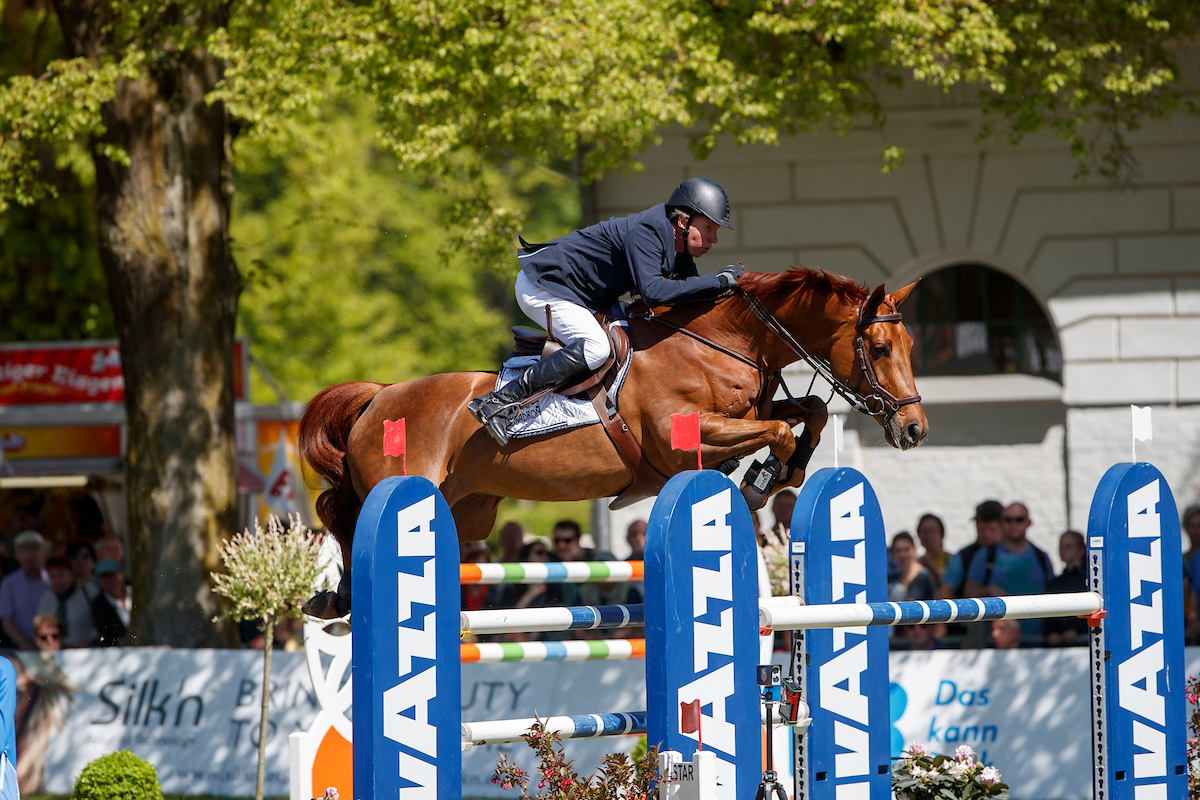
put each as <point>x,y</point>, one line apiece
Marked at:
<point>595,387</point>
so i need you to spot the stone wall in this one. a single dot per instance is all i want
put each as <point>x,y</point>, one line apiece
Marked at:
<point>1115,267</point>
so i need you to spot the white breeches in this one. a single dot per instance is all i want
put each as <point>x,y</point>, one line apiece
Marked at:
<point>570,321</point>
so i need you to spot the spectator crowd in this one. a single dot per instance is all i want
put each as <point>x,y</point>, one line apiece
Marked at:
<point>80,598</point>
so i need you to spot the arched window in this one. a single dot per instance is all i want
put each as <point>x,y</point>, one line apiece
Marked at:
<point>969,319</point>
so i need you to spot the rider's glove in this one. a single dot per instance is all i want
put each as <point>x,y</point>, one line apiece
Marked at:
<point>729,276</point>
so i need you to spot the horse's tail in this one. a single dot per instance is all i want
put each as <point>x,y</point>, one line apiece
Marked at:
<point>324,430</point>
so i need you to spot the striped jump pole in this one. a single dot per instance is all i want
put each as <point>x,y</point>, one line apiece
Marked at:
<point>577,650</point>
<point>922,612</point>
<point>577,726</point>
<point>551,572</point>
<point>552,618</point>
<point>1136,647</point>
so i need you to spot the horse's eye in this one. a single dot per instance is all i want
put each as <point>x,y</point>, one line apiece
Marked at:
<point>880,350</point>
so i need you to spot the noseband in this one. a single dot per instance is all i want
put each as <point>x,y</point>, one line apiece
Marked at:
<point>889,404</point>
<point>880,402</point>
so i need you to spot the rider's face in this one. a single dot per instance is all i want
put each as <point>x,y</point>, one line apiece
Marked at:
<point>701,235</point>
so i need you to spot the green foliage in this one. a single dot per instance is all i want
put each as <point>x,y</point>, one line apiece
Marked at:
<point>341,254</point>
<point>268,574</point>
<point>118,776</point>
<point>51,283</point>
<point>464,85</point>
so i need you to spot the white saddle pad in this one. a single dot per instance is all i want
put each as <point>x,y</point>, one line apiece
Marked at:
<point>553,412</point>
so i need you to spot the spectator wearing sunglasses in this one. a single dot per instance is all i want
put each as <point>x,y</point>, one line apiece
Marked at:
<point>1013,566</point>
<point>47,633</point>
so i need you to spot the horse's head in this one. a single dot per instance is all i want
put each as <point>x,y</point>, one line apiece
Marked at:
<point>874,351</point>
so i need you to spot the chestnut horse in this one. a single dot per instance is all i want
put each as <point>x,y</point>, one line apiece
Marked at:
<point>730,379</point>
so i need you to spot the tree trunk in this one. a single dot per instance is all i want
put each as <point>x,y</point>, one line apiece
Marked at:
<point>269,641</point>
<point>163,231</point>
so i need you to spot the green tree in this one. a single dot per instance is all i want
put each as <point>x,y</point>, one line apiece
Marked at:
<point>151,95</point>
<point>336,218</point>
<point>51,282</point>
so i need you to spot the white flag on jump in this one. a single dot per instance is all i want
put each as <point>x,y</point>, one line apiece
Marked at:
<point>1143,430</point>
<point>280,491</point>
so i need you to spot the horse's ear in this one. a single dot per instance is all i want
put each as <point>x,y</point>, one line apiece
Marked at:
<point>900,295</point>
<point>872,306</point>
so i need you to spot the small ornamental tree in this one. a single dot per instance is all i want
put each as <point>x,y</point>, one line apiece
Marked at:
<point>268,575</point>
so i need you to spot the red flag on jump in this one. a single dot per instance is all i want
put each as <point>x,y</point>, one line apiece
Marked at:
<point>685,434</point>
<point>689,720</point>
<point>395,442</point>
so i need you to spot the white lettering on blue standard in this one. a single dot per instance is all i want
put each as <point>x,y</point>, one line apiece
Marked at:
<point>1137,689</point>
<point>406,705</point>
<point>711,533</point>
<point>848,664</point>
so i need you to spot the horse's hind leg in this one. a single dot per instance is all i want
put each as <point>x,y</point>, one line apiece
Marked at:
<point>474,516</point>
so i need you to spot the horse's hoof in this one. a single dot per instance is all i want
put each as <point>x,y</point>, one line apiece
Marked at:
<point>326,605</point>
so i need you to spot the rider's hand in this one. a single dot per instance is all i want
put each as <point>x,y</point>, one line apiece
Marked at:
<point>729,276</point>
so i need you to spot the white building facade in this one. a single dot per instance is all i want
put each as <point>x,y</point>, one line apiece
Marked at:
<point>1113,269</point>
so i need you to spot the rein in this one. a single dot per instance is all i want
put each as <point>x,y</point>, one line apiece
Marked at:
<point>885,403</point>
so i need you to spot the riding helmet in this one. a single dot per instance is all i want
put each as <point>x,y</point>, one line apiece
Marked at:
<point>703,196</point>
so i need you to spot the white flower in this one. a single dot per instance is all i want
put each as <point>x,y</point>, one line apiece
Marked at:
<point>964,753</point>
<point>923,774</point>
<point>330,794</point>
<point>989,775</point>
<point>915,749</point>
<point>958,769</point>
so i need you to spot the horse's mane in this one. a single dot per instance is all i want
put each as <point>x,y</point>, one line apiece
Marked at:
<point>799,279</point>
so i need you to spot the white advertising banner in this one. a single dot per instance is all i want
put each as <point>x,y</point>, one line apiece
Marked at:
<point>194,713</point>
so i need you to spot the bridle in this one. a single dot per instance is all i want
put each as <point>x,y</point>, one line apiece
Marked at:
<point>880,402</point>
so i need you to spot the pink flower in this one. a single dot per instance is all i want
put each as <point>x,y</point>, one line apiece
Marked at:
<point>506,786</point>
<point>541,784</point>
<point>915,749</point>
<point>565,783</point>
<point>964,753</point>
<point>989,775</point>
<point>331,793</point>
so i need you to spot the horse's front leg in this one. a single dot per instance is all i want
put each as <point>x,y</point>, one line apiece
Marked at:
<point>810,411</point>
<point>723,438</point>
<point>814,414</point>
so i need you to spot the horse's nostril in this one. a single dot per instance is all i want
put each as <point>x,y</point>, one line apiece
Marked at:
<point>914,431</point>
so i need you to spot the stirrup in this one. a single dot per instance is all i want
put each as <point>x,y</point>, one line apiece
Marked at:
<point>478,407</point>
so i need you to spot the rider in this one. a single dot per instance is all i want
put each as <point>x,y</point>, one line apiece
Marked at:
<point>649,253</point>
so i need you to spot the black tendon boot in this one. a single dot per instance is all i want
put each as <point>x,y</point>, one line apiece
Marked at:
<point>494,408</point>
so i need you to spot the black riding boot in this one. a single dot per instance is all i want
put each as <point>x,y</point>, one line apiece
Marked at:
<point>494,408</point>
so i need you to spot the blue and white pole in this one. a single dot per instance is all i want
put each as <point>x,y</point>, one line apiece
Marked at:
<point>406,666</point>
<point>839,556</point>
<point>1134,561</point>
<point>702,626</point>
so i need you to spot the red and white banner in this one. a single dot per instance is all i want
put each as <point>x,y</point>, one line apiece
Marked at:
<point>67,373</point>
<point>87,372</point>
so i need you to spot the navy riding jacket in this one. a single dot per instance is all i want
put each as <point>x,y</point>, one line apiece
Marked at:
<point>595,265</point>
